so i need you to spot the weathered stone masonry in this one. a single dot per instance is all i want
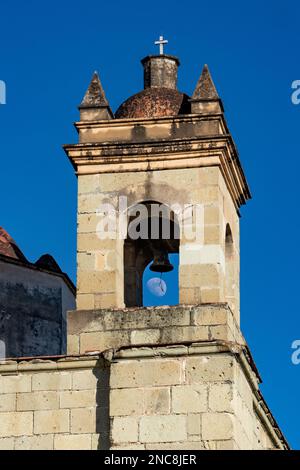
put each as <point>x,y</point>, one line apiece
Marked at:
<point>194,388</point>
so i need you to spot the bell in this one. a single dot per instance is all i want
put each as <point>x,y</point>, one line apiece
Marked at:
<point>161,262</point>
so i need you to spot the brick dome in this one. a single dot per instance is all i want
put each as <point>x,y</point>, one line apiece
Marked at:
<point>154,102</point>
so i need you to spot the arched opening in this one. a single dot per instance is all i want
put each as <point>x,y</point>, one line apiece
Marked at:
<point>229,264</point>
<point>161,289</point>
<point>152,237</point>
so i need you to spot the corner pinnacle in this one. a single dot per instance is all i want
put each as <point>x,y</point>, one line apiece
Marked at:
<point>205,88</point>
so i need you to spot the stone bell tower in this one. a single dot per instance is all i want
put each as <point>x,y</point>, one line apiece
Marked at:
<point>181,377</point>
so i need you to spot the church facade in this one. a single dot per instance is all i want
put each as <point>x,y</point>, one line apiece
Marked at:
<point>135,377</point>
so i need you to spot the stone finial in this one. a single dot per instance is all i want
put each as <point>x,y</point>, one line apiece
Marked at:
<point>94,104</point>
<point>205,98</point>
<point>205,88</point>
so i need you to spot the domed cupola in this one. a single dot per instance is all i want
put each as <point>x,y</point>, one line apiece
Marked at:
<point>160,96</point>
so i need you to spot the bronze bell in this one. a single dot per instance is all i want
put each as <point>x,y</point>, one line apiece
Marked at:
<point>161,262</point>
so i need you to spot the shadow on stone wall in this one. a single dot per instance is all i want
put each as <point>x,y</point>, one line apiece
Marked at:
<point>102,373</point>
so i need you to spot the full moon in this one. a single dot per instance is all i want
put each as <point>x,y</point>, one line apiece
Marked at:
<point>157,286</point>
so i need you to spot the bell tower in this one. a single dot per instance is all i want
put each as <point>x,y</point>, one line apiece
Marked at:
<point>161,176</point>
<point>165,147</point>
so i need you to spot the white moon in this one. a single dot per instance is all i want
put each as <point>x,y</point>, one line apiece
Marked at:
<point>157,286</point>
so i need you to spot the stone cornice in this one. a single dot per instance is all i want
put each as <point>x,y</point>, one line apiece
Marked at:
<point>193,152</point>
<point>150,121</point>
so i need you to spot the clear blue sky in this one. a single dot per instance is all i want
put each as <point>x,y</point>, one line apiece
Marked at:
<point>48,53</point>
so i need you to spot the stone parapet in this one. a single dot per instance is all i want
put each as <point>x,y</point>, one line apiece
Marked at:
<point>99,330</point>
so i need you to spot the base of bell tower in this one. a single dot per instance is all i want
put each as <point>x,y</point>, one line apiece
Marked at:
<point>180,377</point>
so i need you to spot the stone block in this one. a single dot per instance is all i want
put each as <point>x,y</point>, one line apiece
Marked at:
<point>243,388</point>
<point>211,295</point>
<point>105,300</point>
<point>157,400</point>
<point>88,184</point>
<point>78,399</point>
<point>124,429</point>
<point>193,253</point>
<point>206,194</point>
<point>91,242</point>
<point>100,341</point>
<point>127,401</point>
<point>201,275</point>
<point>95,282</point>
<point>73,345</point>
<point>51,422</point>
<point>193,424</point>
<point>210,316</point>
<point>217,426</point>
<point>221,332</point>
<point>42,442</point>
<point>100,260</point>
<point>90,379</point>
<point>170,428</point>
<point>15,383</point>
<point>124,402</point>
<point>189,399</point>
<point>83,420</point>
<point>90,203</point>
<point>145,374</point>
<point>37,401</point>
<point>189,296</point>
<point>212,215</point>
<point>214,368</point>
<point>86,261</point>
<point>145,336</point>
<point>85,301</point>
<point>183,334</point>
<point>8,402</point>
<point>16,424</point>
<point>73,442</point>
<point>220,397</point>
<point>209,176</point>
<point>213,235</point>
<point>49,381</point>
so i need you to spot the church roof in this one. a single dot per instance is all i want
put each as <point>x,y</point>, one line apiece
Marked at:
<point>11,253</point>
<point>8,246</point>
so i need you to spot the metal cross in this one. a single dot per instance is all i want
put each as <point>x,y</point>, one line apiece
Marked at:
<point>161,44</point>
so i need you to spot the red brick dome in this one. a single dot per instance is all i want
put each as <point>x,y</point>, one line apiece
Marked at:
<point>154,102</point>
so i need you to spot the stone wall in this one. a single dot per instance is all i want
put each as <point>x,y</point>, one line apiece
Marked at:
<point>192,401</point>
<point>54,405</point>
<point>177,397</point>
<point>33,306</point>
<point>154,378</point>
